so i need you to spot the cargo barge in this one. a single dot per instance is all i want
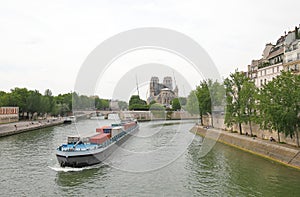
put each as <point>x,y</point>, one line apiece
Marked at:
<point>80,152</point>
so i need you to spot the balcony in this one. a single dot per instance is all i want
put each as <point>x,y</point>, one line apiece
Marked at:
<point>263,65</point>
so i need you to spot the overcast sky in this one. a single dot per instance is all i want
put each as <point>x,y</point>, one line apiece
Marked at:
<point>44,43</point>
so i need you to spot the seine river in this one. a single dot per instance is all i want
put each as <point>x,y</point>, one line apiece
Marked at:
<point>162,159</point>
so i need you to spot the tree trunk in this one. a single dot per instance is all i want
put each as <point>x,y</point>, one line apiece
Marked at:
<point>201,119</point>
<point>278,136</point>
<point>250,126</point>
<point>297,136</point>
<point>240,127</point>
<point>212,121</point>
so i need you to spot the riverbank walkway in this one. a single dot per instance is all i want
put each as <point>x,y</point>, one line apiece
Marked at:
<point>24,126</point>
<point>282,153</point>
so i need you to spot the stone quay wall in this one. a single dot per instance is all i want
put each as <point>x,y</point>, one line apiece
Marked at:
<point>158,115</point>
<point>287,155</point>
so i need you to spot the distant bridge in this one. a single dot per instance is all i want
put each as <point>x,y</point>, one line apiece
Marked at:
<point>88,114</point>
<point>139,115</point>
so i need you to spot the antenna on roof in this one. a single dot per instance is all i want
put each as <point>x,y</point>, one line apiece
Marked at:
<point>137,85</point>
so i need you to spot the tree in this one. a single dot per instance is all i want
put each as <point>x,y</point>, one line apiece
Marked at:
<point>217,93</point>
<point>4,98</point>
<point>235,100</point>
<point>248,97</point>
<point>135,103</point>
<point>63,104</point>
<point>33,102</point>
<point>48,100</point>
<point>48,93</point>
<point>192,105</point>
<point>176,105</point>
<point>158,110</point>
<point>18,97</point>
<point>279,105</point>
<point>204,99</point>
<point>182,101</point>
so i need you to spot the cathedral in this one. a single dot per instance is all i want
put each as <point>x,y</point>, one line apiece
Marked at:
<point>162,93</point>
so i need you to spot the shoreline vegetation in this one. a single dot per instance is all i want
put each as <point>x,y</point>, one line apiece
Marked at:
<point>274,107</point>
<point>34,105</point>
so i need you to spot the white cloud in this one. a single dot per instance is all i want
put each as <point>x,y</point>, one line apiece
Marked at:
<point>43,43</point>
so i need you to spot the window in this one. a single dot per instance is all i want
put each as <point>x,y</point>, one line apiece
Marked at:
<point>265,81</point>
<point>273,70</point>
<point>261,82</point>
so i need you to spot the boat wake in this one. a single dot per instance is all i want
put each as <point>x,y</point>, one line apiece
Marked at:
<point>70,169</point>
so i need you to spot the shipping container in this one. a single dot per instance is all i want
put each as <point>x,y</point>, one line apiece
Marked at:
<point>115,131</point>
<point>100,138</point>
<point>100,130</point>
<point>107,130</point>
<point>129,125</point>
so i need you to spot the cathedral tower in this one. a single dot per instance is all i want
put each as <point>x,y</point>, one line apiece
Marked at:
<point>168,82</point>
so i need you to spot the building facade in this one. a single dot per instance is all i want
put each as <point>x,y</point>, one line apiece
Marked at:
<point>292,51</point>
<point>9,114</point>
<point>162,93</point>
<point>284,55</point>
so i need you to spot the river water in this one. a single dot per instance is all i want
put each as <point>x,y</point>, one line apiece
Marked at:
<point>162,159</point>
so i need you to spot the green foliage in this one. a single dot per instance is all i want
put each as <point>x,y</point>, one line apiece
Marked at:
<point>157,106</point>
<point>248,97</point>
<point>192,105</point>
<point>217,93</point>
<point>152,102</point>
<point>18,97</point>
<point>263,64</point>
<point>158,110</point>
<point>139,107</point>
<point>199,101</point>
<point>101,104</point>
<point>240,99</point>
<point>204,98</point>
<point>182,101</point>
<point>135,103</point>
<point>279,105</point>
<point>176,105</point>
<point>32,102</point>
<point>82,102</point>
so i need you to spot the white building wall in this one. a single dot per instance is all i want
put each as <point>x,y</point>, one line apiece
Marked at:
<point>267,74</point>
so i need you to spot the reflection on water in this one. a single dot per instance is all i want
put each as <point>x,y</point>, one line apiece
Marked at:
<point>224,171</point>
